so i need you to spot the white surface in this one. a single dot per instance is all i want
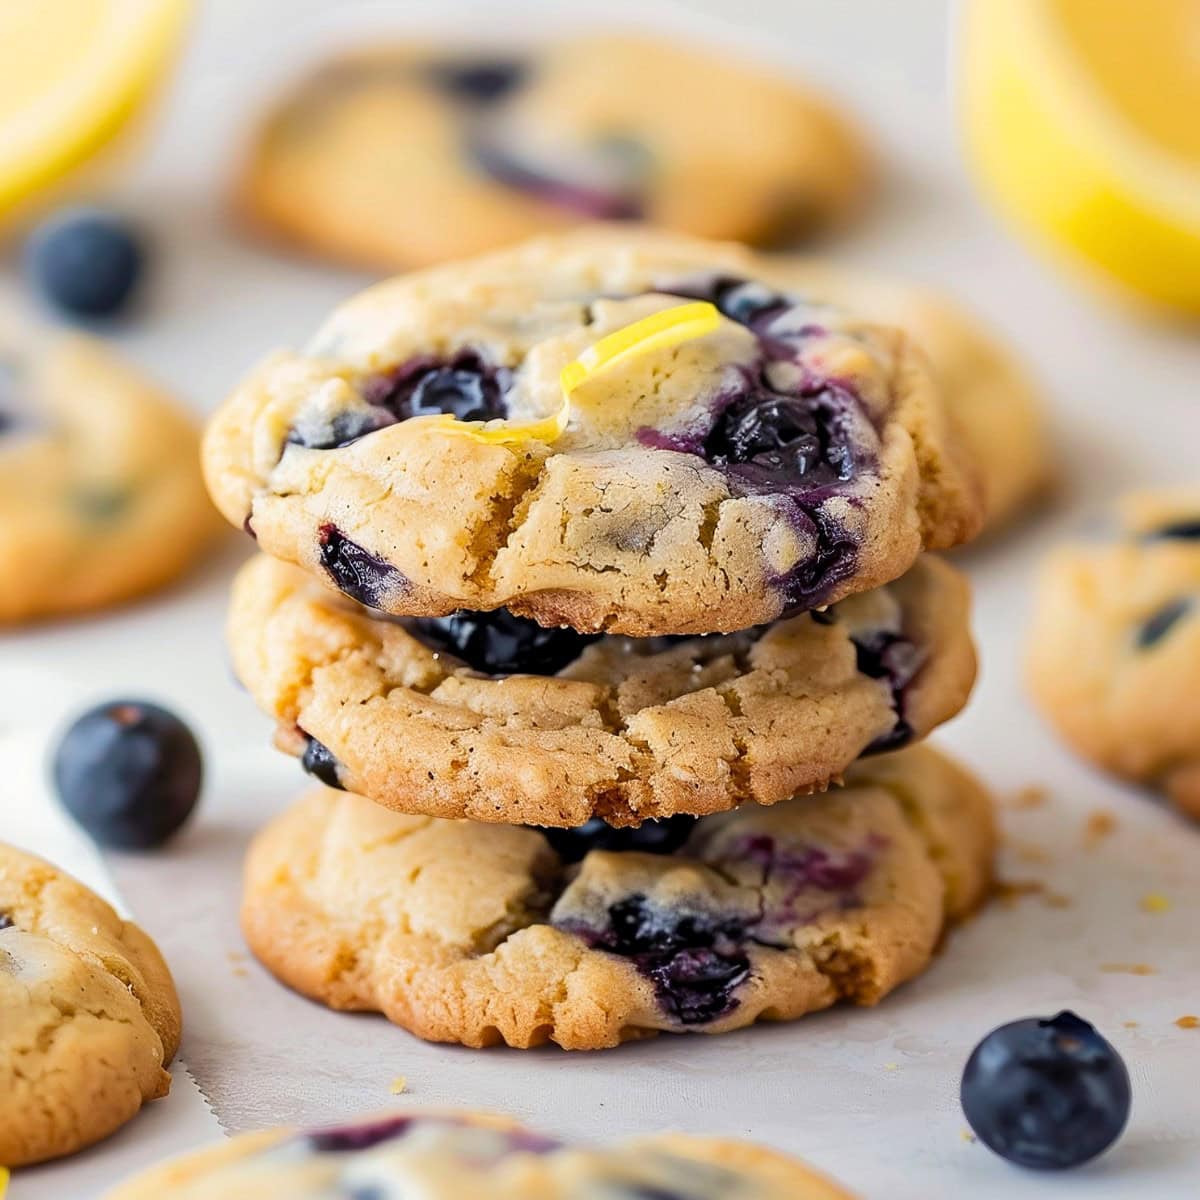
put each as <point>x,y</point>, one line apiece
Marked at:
<point>869,1095</point>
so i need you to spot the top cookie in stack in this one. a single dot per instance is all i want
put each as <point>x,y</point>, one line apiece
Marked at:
<point>735,454</point>
<point>646,522</point>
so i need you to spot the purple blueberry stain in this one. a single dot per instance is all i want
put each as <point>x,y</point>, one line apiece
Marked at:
<point>357,572</point>
<point>345,1139</point>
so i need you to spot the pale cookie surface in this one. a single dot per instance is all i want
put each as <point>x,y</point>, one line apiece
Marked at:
<point>495,718</point>
<point>404,157</point>
<point>998,408</point>
<point>786,458</point>
<point>89,1018</point>
<point>465,1156</point>
<point>481,934</point>
<point>101,497</point>
<point>1114,652</point>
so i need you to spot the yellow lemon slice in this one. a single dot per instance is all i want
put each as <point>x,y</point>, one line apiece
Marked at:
<point>1082,119</point>
<point>669,327</point>
<point>72,72</point>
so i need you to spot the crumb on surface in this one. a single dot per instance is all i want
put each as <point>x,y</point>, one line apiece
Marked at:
<point>968,1136</point>
<point>1099,825</point>
<point>1033,795</point>
<point>1118,968</point>
<point>1154,902</point>
<point>1188,1022</point>
<point>399,1085</point>
<point>1009,891</point>
<point>1130,1024</point>
<point>891,1066</point>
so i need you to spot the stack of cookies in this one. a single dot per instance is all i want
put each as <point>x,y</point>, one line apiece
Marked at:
<point>587,567</point>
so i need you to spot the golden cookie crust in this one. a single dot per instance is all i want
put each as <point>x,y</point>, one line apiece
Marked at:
<point>622,523</point>
<point>371,161</point>
<point>101,497</point>
<point>1114,648</point>
<point>482,934</point>
<point>89,1018</point>
<point>452,1155</point>
<point>628,731</point>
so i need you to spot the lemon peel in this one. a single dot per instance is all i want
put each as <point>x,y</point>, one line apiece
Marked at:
<point>670,327</point>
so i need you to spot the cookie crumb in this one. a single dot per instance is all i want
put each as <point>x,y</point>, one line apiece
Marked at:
<point>1130,1024</point>
<point>1099,825</point>
<point>1031,796</point>
<point>1009,891</point>
<point>1154,902</point>
<point>1127,969</point>
<point>891,1066</point>
<point>968,1136</point>
<point>1188,1022</point>
<point>399,1085</point>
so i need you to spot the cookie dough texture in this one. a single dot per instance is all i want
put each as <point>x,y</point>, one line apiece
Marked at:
<point>1114,650</point>
<point>627,731</point>
<point>628,522</point>
<point>481,934</point>
<point>444,1156</point>
<point>89,1018</point>
<point>993,398</point>
<point>101,497</point>
<point>399,158</point>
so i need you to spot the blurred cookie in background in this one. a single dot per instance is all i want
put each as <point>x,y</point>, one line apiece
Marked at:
<point>100,491</point>
<point>992,397</point>
<point>1114,654</point>
<point>401,157</point>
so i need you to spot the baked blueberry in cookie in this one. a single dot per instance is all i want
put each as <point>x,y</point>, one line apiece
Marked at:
<point>503,933</point>
<point>1114,653</point>
<point>446,1156</point>
<point>620,432</point>
<point>494,717</point>
<point>511,145</point>
<point>89,1018</point>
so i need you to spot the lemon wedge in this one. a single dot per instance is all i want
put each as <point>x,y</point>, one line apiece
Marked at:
<point>670,327</point>
<point>1082,121</point>
<point>72,73</point>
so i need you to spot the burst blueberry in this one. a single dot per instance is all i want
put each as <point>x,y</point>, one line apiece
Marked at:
<point>358,573</point>
<point>499,643</point>
<point>129,772</point>
<point>1047,1093</point>
<point>86,262</point>
<point>321,763</point>
<point>650,837</point>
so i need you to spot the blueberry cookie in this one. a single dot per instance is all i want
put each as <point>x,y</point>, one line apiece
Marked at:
<point>400,158</point>
<point>492,717</point>
<point>614,431</point>
<point>451,1156</point>
<point>479,934</point>
<point>89,1018</point>
<point>1114,653</point>
<point>996,404</point>
<point>101,497</point>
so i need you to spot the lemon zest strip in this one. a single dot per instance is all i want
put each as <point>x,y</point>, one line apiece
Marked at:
<point>669,327</point>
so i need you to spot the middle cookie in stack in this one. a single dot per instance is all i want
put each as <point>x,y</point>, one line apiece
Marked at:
<point>620,534</point>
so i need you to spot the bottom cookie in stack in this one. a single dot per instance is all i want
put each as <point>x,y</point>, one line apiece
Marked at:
<point>481,933</point>
<point>445,1156</point>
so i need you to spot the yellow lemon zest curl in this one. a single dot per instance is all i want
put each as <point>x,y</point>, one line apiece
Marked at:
<point>669,327</point>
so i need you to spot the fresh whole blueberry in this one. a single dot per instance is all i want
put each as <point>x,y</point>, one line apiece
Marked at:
<point>86,262</point>
<point>650,837</point>
<point>499,643</point>
<point>129,772</point>
<point>1048,1093</point>
<point>464,386</point>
